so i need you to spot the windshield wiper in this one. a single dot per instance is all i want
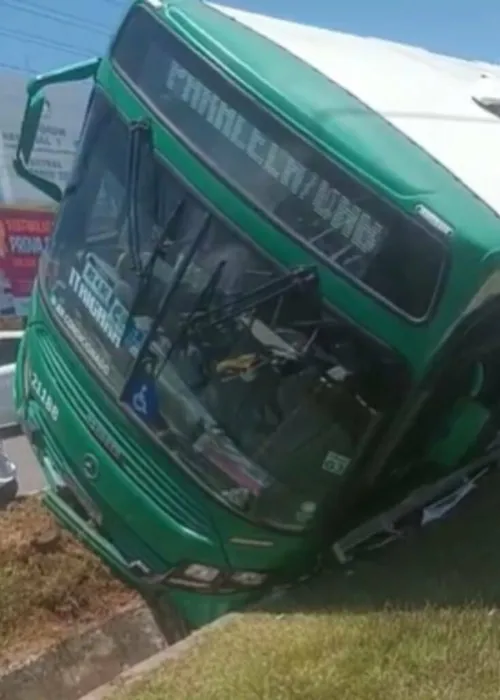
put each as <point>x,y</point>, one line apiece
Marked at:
<point>204,298</point>
<point>159,248</point>
<point>140,133</point>
<point>302,276</point>
<point>146,274</point>
<point>180,269</point>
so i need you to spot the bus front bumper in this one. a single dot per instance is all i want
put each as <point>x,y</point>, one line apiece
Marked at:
<point>180,610</point>
<point>84,530</point>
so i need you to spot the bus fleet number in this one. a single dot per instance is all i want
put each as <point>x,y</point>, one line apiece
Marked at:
<point>44,397</point>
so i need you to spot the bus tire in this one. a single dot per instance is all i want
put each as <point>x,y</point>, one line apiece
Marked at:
<point>170,622</point>
<point>8,493</point>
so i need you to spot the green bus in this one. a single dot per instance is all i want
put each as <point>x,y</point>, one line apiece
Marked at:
<point>265,328</point>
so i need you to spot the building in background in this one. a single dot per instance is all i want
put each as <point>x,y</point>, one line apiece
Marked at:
<point>25,212</point>
<point>55,147</point>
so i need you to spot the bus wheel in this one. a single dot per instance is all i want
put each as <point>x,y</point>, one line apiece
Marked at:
<point>8,492</point>
<point>169,620</point>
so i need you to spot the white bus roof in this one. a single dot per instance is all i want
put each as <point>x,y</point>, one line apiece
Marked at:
<point>428,97</point>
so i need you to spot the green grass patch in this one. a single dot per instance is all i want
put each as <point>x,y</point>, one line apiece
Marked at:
<point>421,621</point>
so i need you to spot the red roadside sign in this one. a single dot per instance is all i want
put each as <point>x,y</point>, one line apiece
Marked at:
<point>24,234</point>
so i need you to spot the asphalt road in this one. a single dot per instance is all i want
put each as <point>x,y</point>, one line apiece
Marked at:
<point>29,473</point>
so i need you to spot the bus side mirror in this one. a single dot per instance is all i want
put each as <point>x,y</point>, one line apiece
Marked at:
<point>33,112</point>
<point>29,126</point>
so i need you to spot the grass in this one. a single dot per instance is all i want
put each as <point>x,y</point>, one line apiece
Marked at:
<point>49,584</point>
<point>421,621</point>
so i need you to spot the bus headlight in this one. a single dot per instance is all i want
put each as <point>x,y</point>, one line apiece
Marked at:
<point>249,579</point>
<point>199,572</point>
<point>205,578</point>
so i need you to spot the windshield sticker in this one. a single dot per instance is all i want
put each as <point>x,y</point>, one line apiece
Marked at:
<point>81,339</point>
<point>140,402</point>
<point>133,340</point>
<point>97,296</point>
<point>336,463</point>
<point>142,396</point>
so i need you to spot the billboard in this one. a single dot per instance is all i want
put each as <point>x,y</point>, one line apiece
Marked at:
<point>24,234</point>
<point>26,214</point>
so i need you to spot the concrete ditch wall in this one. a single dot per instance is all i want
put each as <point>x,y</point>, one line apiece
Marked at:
<point>84,662</point>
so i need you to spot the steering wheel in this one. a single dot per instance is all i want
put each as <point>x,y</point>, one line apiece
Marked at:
<point>123,264</point>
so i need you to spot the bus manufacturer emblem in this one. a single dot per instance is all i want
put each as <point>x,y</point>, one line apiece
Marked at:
<point>103,437</point>
<point>90,467</point>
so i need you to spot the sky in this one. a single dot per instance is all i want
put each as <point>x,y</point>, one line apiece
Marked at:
<point>39,35</point>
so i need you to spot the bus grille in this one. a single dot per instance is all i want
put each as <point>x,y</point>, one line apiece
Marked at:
<point>149,476</point>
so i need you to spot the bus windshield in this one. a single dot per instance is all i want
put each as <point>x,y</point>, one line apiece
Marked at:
<point>232,362</point>
<point>344,223</point>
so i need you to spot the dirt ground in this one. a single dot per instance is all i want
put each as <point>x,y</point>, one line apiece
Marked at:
<point>50,586</point>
